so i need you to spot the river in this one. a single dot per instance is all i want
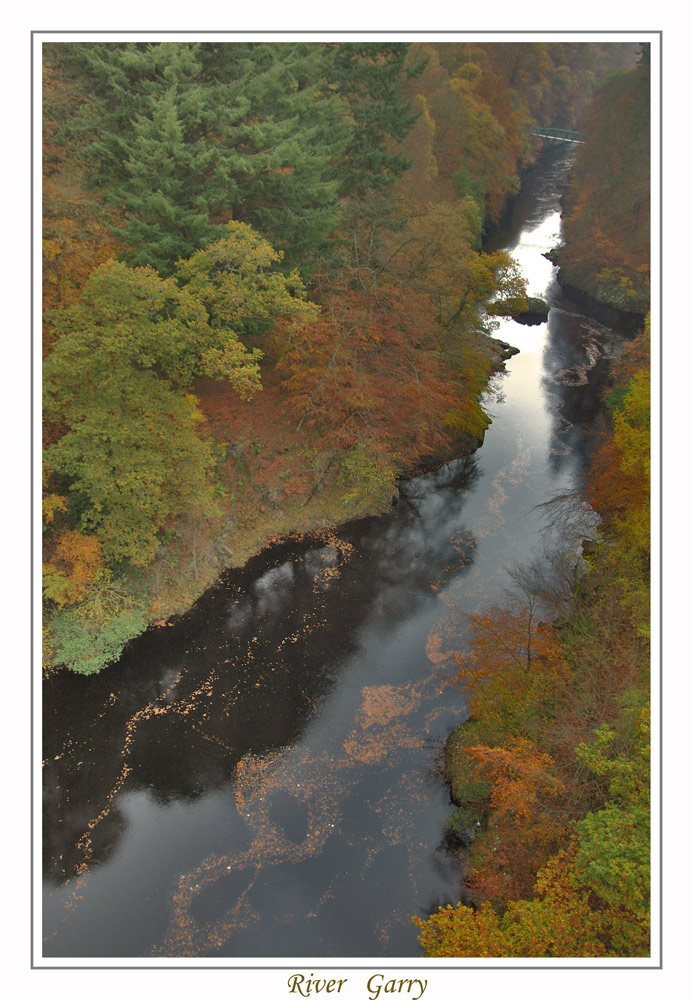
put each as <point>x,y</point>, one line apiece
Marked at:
<point>261,778</point>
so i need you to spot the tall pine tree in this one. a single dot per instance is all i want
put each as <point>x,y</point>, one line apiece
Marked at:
<point>369,77</point>
<point>189,136</point>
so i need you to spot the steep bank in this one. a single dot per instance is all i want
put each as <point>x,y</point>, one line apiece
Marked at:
<point>605,257</point>
<point>550,775</point>
<point>278,482</point>
<point>608,310</point>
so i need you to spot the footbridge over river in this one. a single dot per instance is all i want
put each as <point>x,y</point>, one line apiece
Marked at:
<point>557,134</point>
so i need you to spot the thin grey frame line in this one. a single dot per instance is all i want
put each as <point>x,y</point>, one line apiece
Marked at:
<point>660,35</point>
<point>32,828</point>
<point>336,31</point>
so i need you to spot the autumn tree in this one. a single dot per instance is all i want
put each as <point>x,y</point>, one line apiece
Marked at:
<point>559,922</point>
<point>76,562</point>
<point>119,378</point>
<point>591,897</point>
<point>477,152</point>
<point>393,362</point>
<point>521,830</point>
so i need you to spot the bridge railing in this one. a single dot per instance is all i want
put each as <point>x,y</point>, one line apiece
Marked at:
<point>559,134</point>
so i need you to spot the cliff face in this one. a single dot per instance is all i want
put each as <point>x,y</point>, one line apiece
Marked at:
<point>607,205</point>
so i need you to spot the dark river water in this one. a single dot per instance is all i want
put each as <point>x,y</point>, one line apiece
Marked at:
<point>262,778</point>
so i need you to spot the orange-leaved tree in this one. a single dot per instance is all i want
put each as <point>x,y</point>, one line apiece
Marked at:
<point>391,363</point>
<point>559,922</point>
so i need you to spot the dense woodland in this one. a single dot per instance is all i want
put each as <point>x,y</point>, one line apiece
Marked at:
<point>265,299</point>
<point>606,227</point>
<point>264,294</point>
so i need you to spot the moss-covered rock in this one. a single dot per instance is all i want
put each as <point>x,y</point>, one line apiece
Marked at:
<point>524,309</point>
<point>468,791</point>
<point>462,826</point>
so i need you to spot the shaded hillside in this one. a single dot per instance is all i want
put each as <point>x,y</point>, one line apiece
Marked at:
<point>607,206</point>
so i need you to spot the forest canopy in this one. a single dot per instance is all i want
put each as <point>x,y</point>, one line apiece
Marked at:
<point>268,293</point>
<point>299,222</point>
